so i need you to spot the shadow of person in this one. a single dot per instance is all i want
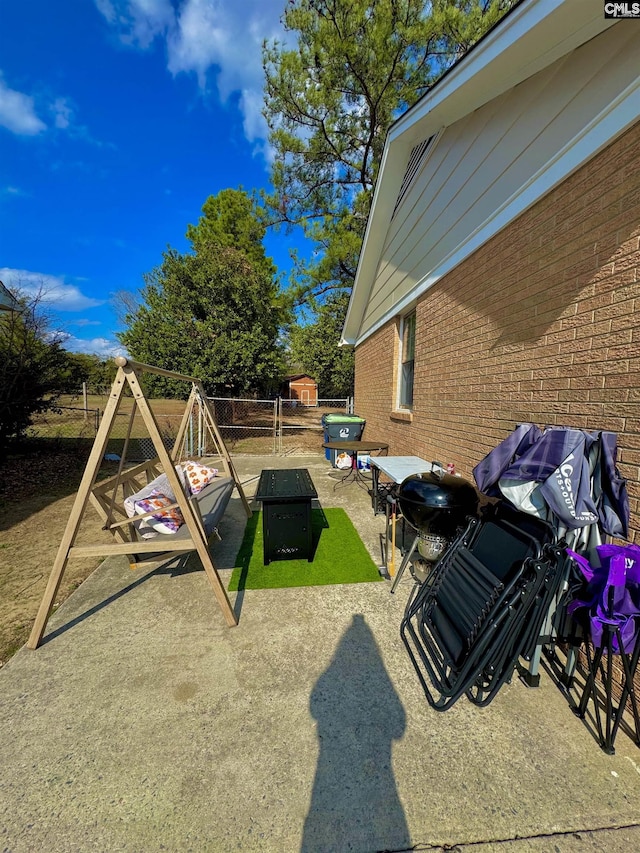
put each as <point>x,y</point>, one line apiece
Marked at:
<point>354,804</point>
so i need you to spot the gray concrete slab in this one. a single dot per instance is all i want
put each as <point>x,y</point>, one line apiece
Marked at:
<point>143,724</point>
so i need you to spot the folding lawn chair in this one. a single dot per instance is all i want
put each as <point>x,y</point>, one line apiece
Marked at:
<point>482,607</point>
<point>606,610</point>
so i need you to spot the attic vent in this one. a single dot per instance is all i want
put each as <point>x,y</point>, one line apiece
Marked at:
<point>417,158</point>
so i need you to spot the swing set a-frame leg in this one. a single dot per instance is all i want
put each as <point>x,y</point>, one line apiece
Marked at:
<point>197,536</point>
<point>77,511</point>
<point>222,447</point>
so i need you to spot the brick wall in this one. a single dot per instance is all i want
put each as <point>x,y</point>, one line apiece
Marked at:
<point>541,324</point>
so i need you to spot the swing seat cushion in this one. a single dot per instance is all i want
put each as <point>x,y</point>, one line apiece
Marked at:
<point>212,502</point>
<point>198,476</point>
<point>163,520</point>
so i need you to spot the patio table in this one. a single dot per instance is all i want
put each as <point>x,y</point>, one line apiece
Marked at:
<point>396,469</point>
<point>353,448</point>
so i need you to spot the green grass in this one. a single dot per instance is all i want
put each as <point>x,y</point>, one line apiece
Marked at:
<point>339,557</point>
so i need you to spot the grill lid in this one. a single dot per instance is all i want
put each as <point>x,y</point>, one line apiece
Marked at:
<point>422,495</point>
<point>444,492</point>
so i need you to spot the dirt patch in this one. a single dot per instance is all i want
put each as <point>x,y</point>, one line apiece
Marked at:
<point>36,495</point>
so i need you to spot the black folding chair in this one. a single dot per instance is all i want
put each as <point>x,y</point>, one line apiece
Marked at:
<point>482,607</point>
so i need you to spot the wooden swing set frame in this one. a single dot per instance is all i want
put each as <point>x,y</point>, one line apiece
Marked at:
<point>105,499</point>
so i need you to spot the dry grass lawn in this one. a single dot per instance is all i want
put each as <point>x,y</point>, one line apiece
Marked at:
<point>36,495</point>
<point>37,491</point>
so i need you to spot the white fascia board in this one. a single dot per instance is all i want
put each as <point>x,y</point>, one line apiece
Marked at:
<point>532,36</point>
<point>619,116</point>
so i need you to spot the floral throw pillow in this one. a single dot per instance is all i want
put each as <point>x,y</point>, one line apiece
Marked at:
<point>198,476</point>
<point>163,520</point>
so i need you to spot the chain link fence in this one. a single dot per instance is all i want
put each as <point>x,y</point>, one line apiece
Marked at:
<point>247,426</point>
<point>259,427</point>
<point>273,427</point>
<point>300,428</point>
<point>133,430</point>
<point>65,422</point>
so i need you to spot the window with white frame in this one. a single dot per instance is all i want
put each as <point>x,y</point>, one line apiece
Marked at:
<point>407,357</point>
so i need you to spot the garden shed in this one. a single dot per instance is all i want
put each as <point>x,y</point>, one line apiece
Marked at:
<point>301,387</point>
<point>498,280</point>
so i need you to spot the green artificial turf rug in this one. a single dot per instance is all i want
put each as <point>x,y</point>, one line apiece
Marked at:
<point>339,556</point>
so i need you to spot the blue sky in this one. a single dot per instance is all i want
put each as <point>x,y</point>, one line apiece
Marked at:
<point>118,118</point>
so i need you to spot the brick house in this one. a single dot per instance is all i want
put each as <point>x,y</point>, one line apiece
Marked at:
<point>499,278</point>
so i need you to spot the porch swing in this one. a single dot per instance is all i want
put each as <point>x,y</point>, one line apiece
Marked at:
<point>165,506</point>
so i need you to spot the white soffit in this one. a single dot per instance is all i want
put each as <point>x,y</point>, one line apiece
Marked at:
<point>532,36</point>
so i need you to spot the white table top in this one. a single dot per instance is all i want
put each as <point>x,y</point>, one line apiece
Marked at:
<point>398,468</point>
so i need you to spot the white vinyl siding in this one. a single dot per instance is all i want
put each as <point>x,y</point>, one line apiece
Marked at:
<point>485,159</point>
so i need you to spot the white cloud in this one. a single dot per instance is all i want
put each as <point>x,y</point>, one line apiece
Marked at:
<point>55,292</point>
<point>251,103</point>
<point>138,21</point>
<point>225,35</point>
<point>107,9</point>
<point>62,112</point>
<point>83,323</point>
<point>14,191</point>
<point>17,112</point>
<point>199,40</point>
<point>103,347</point>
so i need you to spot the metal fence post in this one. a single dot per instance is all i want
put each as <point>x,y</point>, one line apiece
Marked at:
<point>275,426</point>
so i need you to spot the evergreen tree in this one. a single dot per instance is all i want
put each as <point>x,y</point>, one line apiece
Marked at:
<point>213,313</point>
<point>348,69</point>
<point>315,348</point>
<point>32,367</point>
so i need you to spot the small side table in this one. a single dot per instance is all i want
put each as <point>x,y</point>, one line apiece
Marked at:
<point>353,448</point>
<point>286,497</point>
<point>396,469</point>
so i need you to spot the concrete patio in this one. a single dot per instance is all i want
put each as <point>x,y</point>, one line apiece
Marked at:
<point>143,723</point>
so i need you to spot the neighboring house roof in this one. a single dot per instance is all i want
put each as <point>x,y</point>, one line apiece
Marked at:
<point>527,106</point>
<point>7,301</point>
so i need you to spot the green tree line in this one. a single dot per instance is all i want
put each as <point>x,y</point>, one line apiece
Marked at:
<point>35,369</point>
<point>221,311</point>
<point>346,70</point>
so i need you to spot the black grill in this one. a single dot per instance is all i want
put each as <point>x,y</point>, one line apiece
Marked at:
<point>436,505</point>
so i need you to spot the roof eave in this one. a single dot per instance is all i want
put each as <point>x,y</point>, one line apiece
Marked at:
<point>534,34</point>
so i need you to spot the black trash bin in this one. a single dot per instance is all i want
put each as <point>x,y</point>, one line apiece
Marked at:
<point>340,427</point>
